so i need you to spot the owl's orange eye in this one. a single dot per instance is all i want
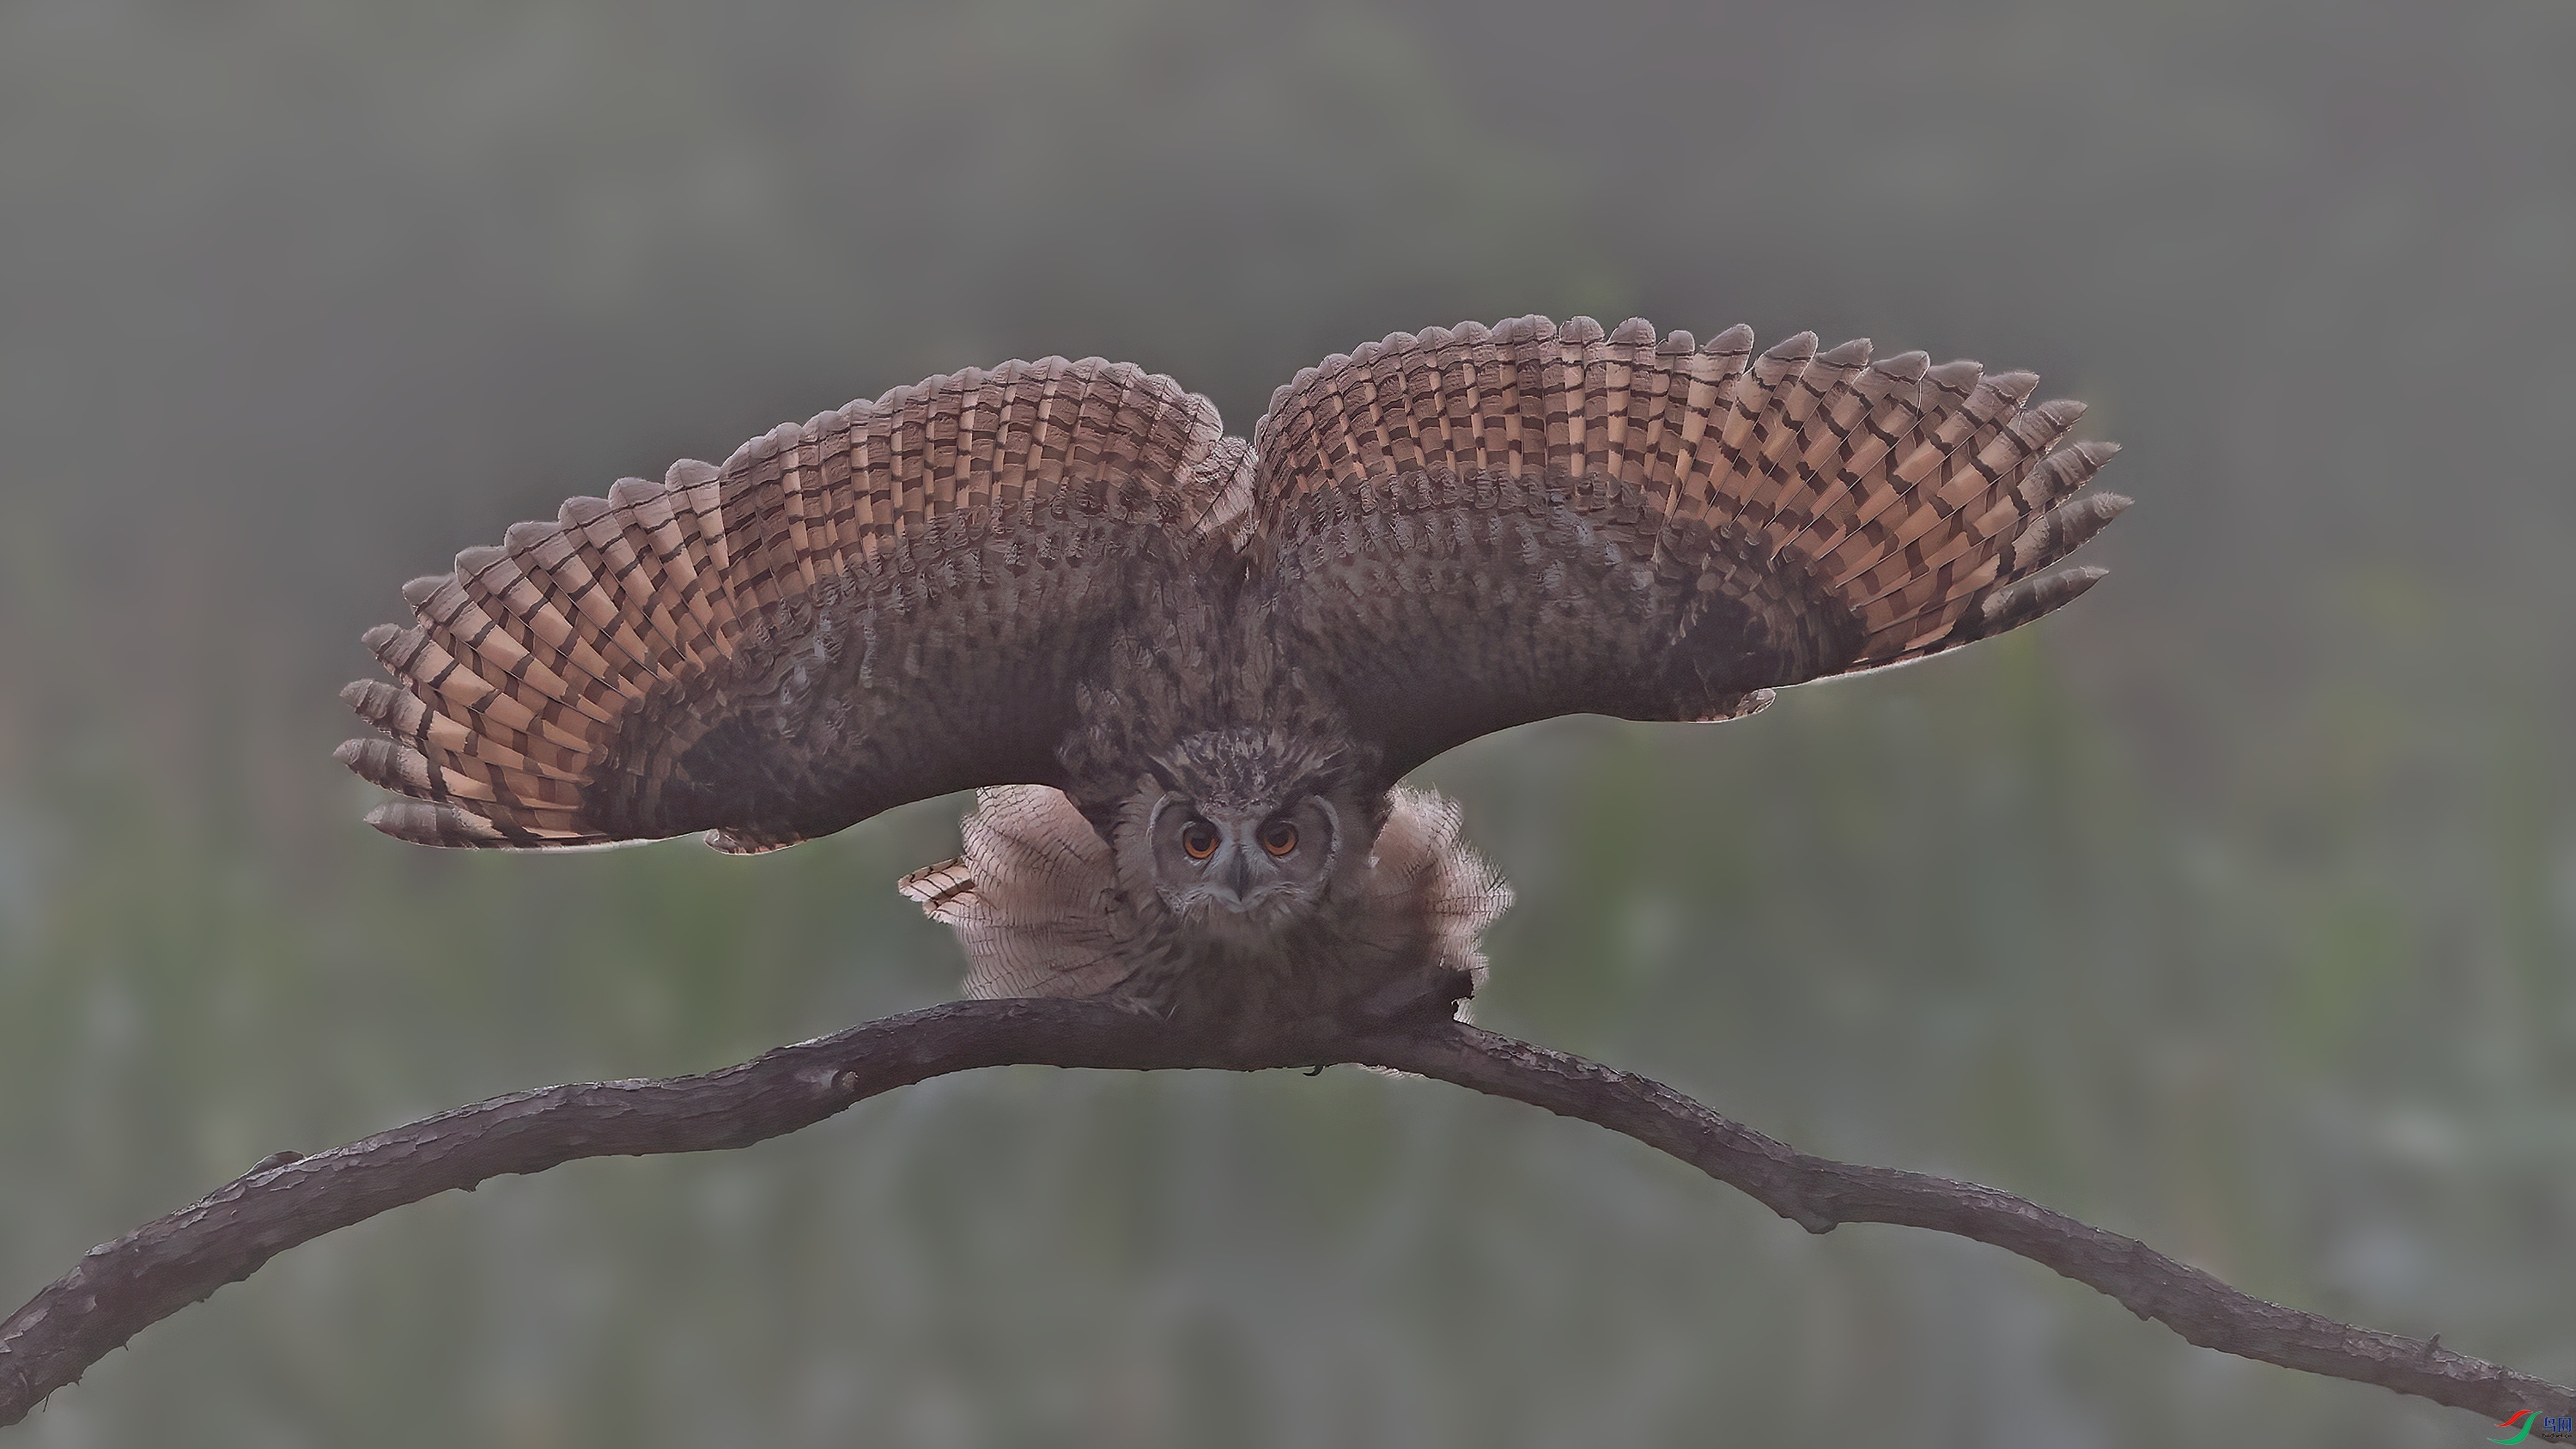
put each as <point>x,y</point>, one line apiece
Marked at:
<point>1199,839</point>
<point>1279,837</point>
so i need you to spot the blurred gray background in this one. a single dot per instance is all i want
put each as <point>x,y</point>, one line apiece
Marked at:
<point>2232,908</point>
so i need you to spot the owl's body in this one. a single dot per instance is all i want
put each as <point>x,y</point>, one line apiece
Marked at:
<point>1036,900</point>
<point>1197,667</point>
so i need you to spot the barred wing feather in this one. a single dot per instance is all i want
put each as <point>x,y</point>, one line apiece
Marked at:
<point>1472,528</point>
<point>891,601</point>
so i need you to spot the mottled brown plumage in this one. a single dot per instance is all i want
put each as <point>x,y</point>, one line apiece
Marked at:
<point>1065,575</point>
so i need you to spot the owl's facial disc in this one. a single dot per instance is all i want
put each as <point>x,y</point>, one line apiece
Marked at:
<point>1216,859</point>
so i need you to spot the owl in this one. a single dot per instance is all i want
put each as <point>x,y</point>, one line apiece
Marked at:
<point>1188,671</point>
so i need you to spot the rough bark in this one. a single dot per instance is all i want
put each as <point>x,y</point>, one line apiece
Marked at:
<point>121,1287</point>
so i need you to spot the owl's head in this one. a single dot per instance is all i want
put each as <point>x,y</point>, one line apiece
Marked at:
<point>1243,831</point>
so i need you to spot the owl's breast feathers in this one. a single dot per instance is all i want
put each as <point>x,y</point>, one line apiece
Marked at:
<point>981,579</point>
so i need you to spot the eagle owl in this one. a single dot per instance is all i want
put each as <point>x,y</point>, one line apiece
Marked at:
<point>1189,670</point>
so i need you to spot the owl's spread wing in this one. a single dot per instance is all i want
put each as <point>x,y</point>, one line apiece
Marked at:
<point>887,603</point>
<point>1472,529</point>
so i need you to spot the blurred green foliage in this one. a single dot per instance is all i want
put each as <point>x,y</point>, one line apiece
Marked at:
<point>2233,909</point>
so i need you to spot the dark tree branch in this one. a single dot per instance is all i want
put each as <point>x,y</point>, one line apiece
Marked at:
<point>1820,1194</point>
<point>119,1288</point>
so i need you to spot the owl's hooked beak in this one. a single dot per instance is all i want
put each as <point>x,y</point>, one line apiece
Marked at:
<point>1229,886</point>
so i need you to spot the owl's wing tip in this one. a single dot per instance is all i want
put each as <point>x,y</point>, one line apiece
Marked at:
<point>423,822</point>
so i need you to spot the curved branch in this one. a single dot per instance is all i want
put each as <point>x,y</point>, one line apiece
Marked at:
<point>1820,1194</point>
<point>119,1288</point>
